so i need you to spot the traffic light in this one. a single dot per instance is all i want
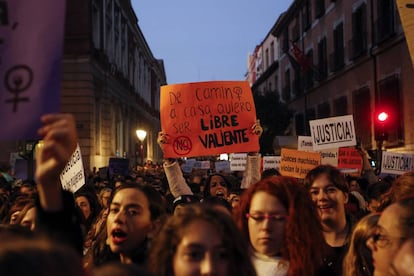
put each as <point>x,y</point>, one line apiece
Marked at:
<point>382,125</point>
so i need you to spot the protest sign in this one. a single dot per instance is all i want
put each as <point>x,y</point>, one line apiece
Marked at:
<point>333,132</point>
<point>396,163</point>
<point>103,173</point>
<point>73,175</point>
<point>208,118</point>
<point>202,165</point>
<point>305,143</point>
<point>349,159</point>
<point>298,163</point>
<point>222,166</point>
<point>31,44</point>
<point>329,157</point>
<point>118,166</point>
<point>238,161</point>
<point>187,167</point>
<point>271,162</point>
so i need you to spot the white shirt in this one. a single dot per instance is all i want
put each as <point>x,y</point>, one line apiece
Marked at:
<point>269,266</point>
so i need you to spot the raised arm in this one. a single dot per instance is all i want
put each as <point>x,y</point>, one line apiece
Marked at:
<point>59,142</point>
<point>57,217</point>
<point>176,182</point>
<point>252,173</point>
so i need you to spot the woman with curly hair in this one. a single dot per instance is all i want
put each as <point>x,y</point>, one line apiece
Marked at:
<point>200,240</point>
<point>277,217</point>
<point>358,259</point>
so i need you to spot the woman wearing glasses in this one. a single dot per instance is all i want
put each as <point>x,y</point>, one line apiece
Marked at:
<point>395,225</point>
<point>277,217</point>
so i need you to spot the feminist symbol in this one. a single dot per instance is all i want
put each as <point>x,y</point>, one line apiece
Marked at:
<point>17,80</point>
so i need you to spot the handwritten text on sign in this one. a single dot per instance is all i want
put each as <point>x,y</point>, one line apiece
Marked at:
<point>333,132</point>
<point>31,43</point>
<point>208,118</point>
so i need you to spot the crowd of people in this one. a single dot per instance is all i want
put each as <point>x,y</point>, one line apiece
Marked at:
<point>161,221</point>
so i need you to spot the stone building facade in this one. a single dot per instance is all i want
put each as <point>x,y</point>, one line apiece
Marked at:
<point>111,81</point>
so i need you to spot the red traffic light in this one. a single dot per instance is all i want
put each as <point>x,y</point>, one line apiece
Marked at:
<point>382,116</point>
<point>382,125</point>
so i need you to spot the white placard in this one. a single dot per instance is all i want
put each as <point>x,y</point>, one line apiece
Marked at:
<point>329,157</point>
<point>305,143</point>
<point>271,162</point>
<point>73,176</point>
<point>396,163</point>
<point>238,161</point>
<point>333,132</point>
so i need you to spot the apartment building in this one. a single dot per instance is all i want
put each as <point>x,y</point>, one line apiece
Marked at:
<point>341,57</point>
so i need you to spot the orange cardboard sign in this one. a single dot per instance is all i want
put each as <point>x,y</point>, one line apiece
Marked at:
<point>297,163</point>
<point>208,118</point>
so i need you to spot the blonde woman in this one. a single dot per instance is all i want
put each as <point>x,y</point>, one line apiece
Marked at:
<point>358,259</point>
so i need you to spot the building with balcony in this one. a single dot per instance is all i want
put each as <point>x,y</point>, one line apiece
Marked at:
<point>353,59</point>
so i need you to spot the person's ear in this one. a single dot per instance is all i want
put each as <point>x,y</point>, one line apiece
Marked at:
<point>346,197</point>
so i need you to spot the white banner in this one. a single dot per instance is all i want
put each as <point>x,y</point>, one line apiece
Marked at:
<point>271,162</point>
<point>333,132</point>
<point>238,161</point>
<point>329,157</point>
<point>305,143</point>
<point>73,176</point>
<point>396,163</point>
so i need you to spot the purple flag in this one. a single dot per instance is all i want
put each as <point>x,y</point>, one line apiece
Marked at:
<point>31,46</point>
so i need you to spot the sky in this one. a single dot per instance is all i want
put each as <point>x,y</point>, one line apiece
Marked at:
<point>206,40</point>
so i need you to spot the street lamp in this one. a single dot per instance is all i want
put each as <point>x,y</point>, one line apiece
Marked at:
<point>141,134</point>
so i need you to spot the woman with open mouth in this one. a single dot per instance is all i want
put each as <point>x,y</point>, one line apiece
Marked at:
<point>135,213</point>
<point>329,192</point>
<point>135,210</point>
